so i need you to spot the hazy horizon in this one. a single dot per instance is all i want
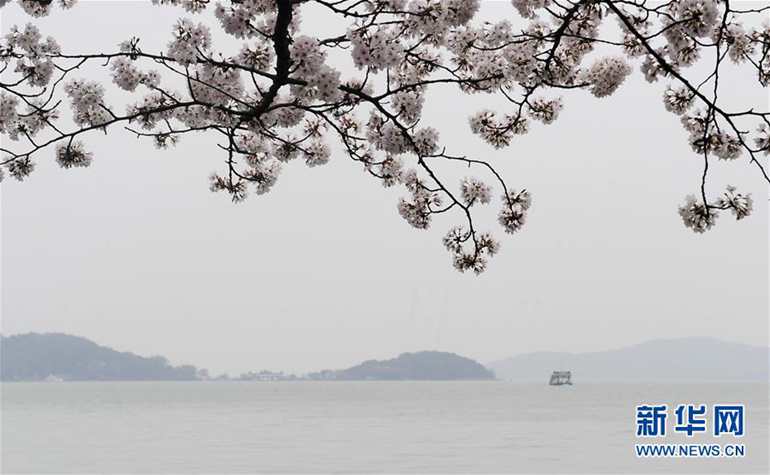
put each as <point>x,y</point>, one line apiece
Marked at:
<point>488,363</point>
<point>135,253</point>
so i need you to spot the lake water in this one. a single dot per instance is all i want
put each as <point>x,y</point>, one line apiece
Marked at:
<point>354,427</point>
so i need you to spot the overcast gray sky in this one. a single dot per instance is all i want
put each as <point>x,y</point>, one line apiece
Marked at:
<point>135,252</point>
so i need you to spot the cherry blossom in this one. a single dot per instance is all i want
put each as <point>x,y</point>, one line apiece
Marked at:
<point>475,191</point>
<point>72,155</point>
<point>277,95</point>
<point>606,75</point>
<point>697,216</point>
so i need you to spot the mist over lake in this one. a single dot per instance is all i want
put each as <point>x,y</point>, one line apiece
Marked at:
<point>352,427</point>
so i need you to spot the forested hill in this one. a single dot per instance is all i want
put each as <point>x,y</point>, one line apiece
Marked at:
<point>423,365</point>
<point>36,356</point>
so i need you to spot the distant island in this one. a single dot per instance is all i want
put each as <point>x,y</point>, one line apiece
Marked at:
<point>422,366</point>
<point>674,360</point>
<point>61,357</point>
<point>56,356</point>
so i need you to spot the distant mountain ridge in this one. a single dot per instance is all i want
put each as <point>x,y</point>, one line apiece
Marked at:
<point>422,365</point>
<point>37,356</point>
<point>57,356</point>
<point>685,359</point>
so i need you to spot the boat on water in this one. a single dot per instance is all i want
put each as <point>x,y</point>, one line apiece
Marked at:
<point>52,378</point>
<point>561,378</point>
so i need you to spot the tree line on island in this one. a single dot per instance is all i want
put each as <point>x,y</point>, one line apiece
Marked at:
<point>56,356</point>
<point>41,356</point>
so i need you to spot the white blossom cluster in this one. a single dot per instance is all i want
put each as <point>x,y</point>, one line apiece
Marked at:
<point>513,214</point>
<point>386,136</point>
<point>87,98</point>
<point>214,85</point>
<point>154,109</point>
<point>128,77</point>
<point>309,59</point>
<point>426,141</point>
<point>259,56</point>
<point>408,105</point>
<point>457,241</point>
<point>417,211</point>
<point>27,123</point>
<point>696,215</point>
<point>378,49</point>
<point>740,45</point>
<point>389,171</point>
<point>498,133</point>
<point>689,21</point>
<point>21,168</point>
<point>606,75</point>
<point>390,138</point>
<point>40,8</point>
<point>762,141</point>
<point>72,154</point>
<point>475,191</point>
<point>687,26</point>
<point>8,114</point>
<point>318,153</point>
<point>701,217</point>
<point>432,19</point>
<point>739,204</point>
<point>528,8</point>
<point>678,100</point>
<point>237,18</point>
<point>544,110</point>
<point>190,42</point>
<point>705,138</point>
<point>32,53</point>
